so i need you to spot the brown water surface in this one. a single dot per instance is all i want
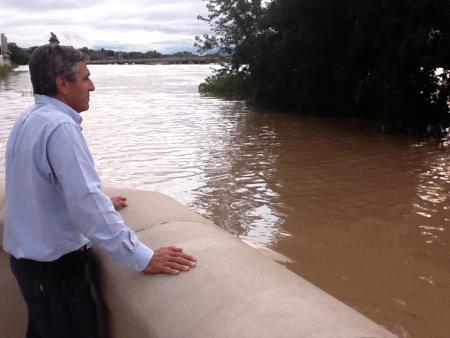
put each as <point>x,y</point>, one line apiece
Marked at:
<point>363,216</point>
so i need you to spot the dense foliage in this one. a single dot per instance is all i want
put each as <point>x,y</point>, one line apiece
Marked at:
<point>104,54</point>
<point>18,55</point>
<point>21,56</point>
<point>369,59</point>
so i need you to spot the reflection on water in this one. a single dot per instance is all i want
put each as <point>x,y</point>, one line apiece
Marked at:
<point>432,197</point>
<point>365,217</point>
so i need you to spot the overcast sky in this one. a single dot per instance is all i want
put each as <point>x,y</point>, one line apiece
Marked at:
<point>132,25</point>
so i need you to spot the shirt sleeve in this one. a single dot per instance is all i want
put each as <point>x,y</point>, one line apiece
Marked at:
<point>90,210</point>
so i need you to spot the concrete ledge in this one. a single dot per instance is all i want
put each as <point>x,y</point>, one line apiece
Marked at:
<point>233,292</point>
<point>13,313</point>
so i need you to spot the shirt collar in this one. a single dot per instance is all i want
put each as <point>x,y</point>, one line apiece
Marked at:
<point>44,99</point>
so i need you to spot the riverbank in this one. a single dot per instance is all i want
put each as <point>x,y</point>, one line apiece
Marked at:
<point>238,86</point>
<point>163,60</point>
<point>6,69</point>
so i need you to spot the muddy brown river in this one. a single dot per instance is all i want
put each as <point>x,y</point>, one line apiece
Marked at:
<point>366,217</point>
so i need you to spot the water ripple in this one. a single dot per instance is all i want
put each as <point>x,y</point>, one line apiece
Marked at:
<point>363,216</point>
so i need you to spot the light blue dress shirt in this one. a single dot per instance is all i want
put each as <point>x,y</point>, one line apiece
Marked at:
<point>54,201</point>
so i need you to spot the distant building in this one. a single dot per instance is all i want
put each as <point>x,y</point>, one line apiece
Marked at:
<point>4,57</point>
<point>4,44</point>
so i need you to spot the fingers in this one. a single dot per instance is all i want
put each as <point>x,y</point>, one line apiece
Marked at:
<point>178,266</point>
<point>170,260</point>
<point>179,252</point>
<point>118,198</point>
<point>170,271</point>
<point>180,257</point>
<point>174,248</point>
<point>185,262</point>
<point>119,202</point>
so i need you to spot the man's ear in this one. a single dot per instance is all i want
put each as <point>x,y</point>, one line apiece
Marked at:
<point>61,85</point>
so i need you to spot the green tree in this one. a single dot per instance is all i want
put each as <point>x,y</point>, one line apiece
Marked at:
<point>405,43</point>
<point>235,28</point>
<point>18,55</point>
<point>359,58</point>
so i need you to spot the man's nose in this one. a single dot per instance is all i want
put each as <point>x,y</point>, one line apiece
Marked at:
<point>91,87</point>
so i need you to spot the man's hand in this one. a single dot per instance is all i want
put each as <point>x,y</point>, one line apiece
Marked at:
<point>119,202</point>
<point>170,260</point>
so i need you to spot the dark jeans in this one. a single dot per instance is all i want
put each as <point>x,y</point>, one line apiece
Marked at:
<point>58,296</point>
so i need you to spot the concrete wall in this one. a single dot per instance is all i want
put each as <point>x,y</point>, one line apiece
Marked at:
<point>12,306</point>
<point>233,292</point>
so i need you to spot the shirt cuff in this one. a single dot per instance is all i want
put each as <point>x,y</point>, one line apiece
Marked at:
<point>142,256</point>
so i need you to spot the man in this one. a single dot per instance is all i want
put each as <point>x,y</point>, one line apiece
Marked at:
<point>55,207</point>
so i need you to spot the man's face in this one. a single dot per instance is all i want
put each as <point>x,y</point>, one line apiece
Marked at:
<point>78,91</point>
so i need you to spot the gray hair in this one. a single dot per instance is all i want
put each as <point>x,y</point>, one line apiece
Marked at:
<point>49,61</point>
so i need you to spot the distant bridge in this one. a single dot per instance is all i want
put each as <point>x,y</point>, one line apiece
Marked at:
<point>164,60</point>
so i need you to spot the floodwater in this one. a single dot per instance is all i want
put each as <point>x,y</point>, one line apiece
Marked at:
<point>363,216</point>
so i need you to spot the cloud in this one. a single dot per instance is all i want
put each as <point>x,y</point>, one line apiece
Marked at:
<point>47,5</point>
<point>132,25</point>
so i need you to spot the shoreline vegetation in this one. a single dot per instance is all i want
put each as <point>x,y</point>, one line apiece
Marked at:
<point>381,62</point>
<point>226,85</point>
<point>21,56</point>
<point>165,59</point>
